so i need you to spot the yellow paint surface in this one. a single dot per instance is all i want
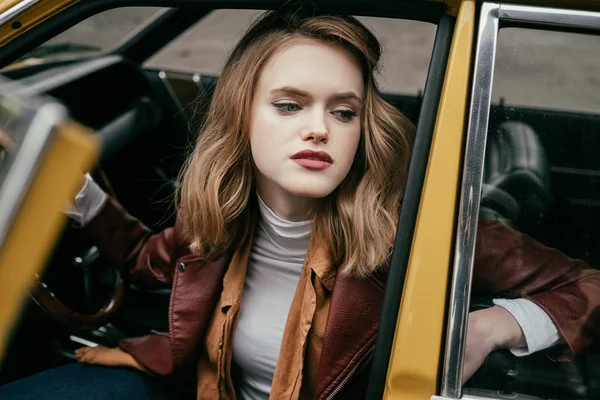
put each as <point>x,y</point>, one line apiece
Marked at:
<point>416,354</point>
<point>40,219</point>
<point>35,15</point>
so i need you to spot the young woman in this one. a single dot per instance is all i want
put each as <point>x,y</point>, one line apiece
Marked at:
<point>287,215</point>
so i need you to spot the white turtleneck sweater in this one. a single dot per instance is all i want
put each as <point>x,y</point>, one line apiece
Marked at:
<point>274,267</point>
<point>276,261</point>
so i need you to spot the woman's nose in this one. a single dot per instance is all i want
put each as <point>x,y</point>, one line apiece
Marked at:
<point>316,131</point>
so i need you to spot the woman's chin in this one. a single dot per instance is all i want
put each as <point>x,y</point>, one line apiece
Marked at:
<point>311,191</point>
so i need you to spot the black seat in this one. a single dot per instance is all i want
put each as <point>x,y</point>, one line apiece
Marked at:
<point>516,187</point>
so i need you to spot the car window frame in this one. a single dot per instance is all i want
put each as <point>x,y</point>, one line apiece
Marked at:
<point>493,17</point>
<point>410,204</point>
<point>33,30</point>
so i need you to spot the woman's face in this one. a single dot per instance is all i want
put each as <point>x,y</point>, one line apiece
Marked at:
<point>305,123</point>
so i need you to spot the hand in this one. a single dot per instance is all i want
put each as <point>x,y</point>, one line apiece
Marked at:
<point>490,329</point>
<point>6,144</point>
<point>110,357</point>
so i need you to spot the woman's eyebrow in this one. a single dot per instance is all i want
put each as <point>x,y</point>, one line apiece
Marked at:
<point>347,96</point>
<point>289,90</point>
<point>292,91</point>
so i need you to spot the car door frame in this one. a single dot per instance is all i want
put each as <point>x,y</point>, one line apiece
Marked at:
<point>493,16</point>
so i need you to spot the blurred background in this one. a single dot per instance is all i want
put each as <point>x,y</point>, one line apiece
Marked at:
<point>542,63</point>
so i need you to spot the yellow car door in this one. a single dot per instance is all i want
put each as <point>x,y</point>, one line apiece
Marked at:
<point>43,156</point>
<point>428,352</point>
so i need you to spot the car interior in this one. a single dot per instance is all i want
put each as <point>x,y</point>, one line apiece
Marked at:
<point>148,118</point>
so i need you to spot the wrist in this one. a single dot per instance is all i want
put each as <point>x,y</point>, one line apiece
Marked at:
<point>506,332</point>
<point>500,328</point>
<point>129,361</point>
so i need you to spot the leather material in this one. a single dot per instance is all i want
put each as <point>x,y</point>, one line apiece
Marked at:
<point>510,264</point>
<point>193,299</point>
<point>507,264</point>
<point>351,329</point>
<point>147,259</point>
<point>153,261</point>
<point>151,350</point>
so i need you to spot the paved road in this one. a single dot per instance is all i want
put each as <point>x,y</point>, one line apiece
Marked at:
<point>536,68</point>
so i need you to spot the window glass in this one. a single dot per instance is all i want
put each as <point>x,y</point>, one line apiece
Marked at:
<point>541,186</point>
<point>204,47</point>
<point>538,68</point>
<point>97,34</point>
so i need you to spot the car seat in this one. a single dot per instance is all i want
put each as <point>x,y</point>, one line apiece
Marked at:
<point>516,184</point>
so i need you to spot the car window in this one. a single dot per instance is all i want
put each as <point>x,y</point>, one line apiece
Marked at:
<point>203,48</point>
<point>546,69</point>
<point>538,231</point>
<point>96,34</point>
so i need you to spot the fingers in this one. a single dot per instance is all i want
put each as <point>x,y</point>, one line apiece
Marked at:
<point>99,355</point>
<point>86,354</point>
<point>6,141</point>
<point>114,357</point>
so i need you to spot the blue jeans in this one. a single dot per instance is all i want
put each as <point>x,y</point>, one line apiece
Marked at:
<point>88,382</point>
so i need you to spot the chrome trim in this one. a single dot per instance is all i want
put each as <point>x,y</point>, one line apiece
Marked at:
<point>469,201</point>
<point>17,10</point>
<point>556,17</point>
<point>162,75</point>
<point>27,159</point>
<point>464,397</point>
<point>197,79</point>
<point>83,341</point>
<point>491,16</point>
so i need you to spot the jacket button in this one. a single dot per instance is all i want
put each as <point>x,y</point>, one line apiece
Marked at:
<point>181,267</point>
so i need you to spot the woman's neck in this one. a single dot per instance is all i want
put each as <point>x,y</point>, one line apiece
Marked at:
<point>287,206</point>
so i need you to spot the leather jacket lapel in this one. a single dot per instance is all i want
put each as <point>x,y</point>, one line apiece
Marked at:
<point>191,307</point>
<point>351,330</point>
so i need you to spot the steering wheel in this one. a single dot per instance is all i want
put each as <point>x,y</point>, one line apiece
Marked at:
<point>43,296</point>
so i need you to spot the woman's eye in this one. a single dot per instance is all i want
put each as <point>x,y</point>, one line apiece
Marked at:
<point>344,115</point>
<point>288,107</point>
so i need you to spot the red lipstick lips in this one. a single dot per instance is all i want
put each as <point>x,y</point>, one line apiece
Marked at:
<point>311,159</point>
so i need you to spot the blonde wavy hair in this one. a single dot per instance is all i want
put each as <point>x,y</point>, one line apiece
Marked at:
<point>357,222</point>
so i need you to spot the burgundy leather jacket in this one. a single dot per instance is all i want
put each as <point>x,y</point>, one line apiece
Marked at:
<point>508,264</point>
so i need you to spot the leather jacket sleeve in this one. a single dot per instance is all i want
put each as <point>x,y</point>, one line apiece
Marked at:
<point>147,259</point>
<point>513,265</point>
